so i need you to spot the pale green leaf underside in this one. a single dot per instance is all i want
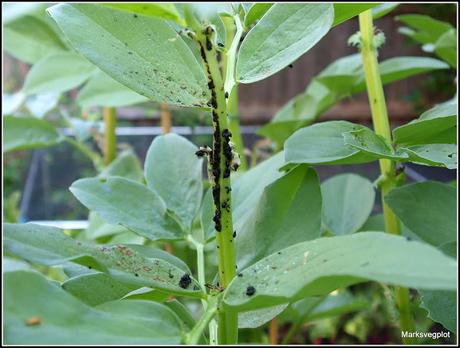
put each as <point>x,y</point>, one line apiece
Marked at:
<point>323,265</point>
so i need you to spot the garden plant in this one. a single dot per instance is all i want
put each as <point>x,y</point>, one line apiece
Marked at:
<point>250,244</point>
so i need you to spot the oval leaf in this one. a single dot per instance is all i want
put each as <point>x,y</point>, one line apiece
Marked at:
<point>144,53</point>
<point>58,73</point>
<point>127,203</point>
<point>283,34</point>
<point>323,143</point>
<point>428,209</point>
<point>341,214</point>
<point>174,172</point>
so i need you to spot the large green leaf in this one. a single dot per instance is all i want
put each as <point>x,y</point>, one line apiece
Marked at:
<point>283,34</point>
<point>30,39</point>
<point>174,172</point>
<point>323,143</point>
<point>39,312</point>
<point>341,214</point>
<point>50,246</point>
<point>288,212</point>
<point>436,125</point>
<point>102,90</point>
<point>428,209</point>
<point>22,133</point>
<point>144,53</point>
<point>323,265</point>
<point>58,73</point>
<point>337,81</point>
<point>128,203</point>
<point>442,305</point>
<point>441,155</point>
<point>162,10</point>
<point>344,11</point>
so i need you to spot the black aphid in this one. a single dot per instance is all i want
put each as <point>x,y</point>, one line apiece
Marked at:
<point>399,169</point>
<point>240,275</point>
<point>185,281</point>
<point>200,153</point>
<point>408,238</point>
<point>226,133</point>
<point>135,15</point>
<point>250,290</point>
<point>208,44</point>
<point>220,44</point>
<point>234,234</point>
<point>137,275</point>
<point>290,65</point>
<point>226,95</point>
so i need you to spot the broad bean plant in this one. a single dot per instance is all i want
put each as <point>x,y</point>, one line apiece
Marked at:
<point>269,242</point>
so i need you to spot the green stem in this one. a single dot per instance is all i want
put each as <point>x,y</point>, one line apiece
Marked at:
<point>193,337</point>
<point>110,139</point>
<point>387,167</point>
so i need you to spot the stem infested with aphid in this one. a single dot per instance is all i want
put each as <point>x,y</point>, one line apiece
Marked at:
<point>221,159</point>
